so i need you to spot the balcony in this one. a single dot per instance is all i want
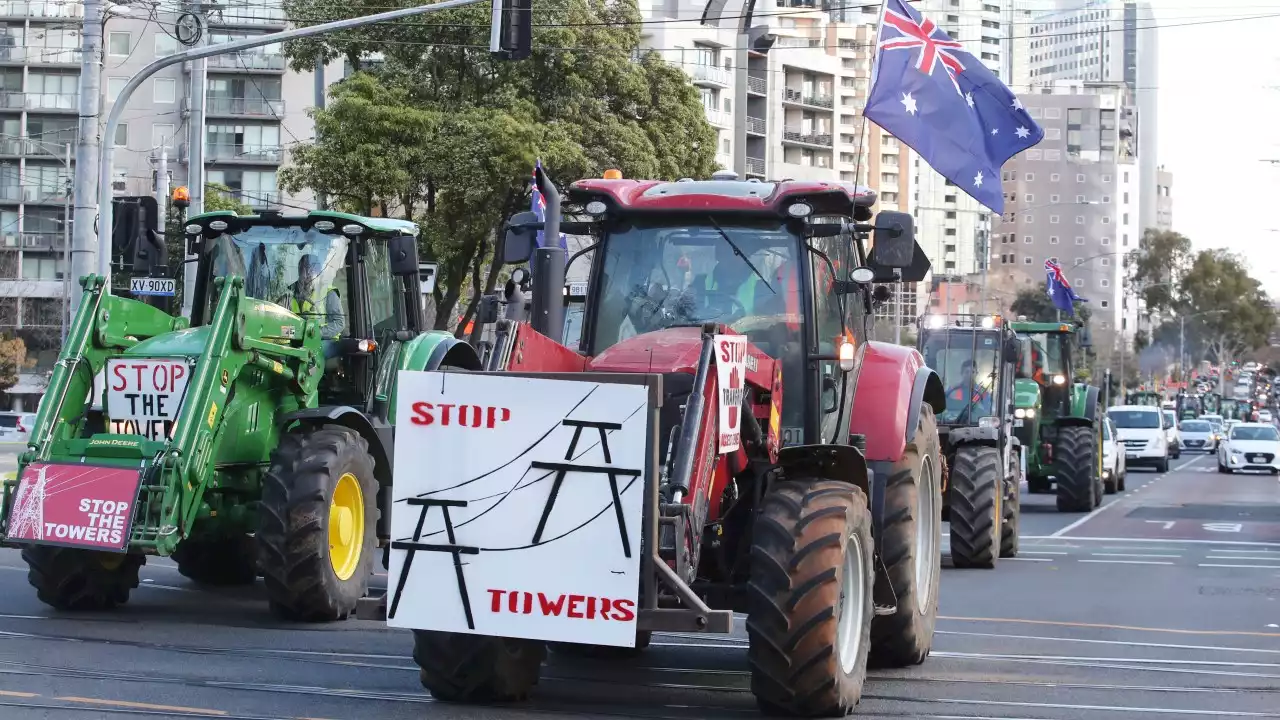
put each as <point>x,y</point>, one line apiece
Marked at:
<point>244,107</point>
<point>710,75</point>
<point>797,97</point>
<point>755,126</point>
<point>63,102</point>
<point>755,166</point>
<point>795,42</point>
<point>10,193</point>
<point>230,152</point>
<point>247,62</point>
<point>248,15</point>
<point>43,194</point>
<point>812,139</point>
<point>757,85</point>
<point>719,118</point>
<point>62,10</point>
<point>43,241</point>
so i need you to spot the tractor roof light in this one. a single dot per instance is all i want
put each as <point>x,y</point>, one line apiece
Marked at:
<point>596,207</point>
<point>218,225</point>
<point>193,229</point>
<point>352,229</point>
<point>799,209</point>
<point>612,174</point>
<point>1059,379</point>
<point>937,321</point>
<point>988,323</point>
<point>323,225</point>
<point>846,356</point>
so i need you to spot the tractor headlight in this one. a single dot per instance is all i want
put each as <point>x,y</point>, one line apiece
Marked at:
<point>799,210</point>
<point>846,356</point>
<point>596,207</point>
<point>936,321</point>
<point>988,323</point>
<point>1059,379</point>
<point>194,229</point>
<point>989,422</point>
<point>1019,413</point>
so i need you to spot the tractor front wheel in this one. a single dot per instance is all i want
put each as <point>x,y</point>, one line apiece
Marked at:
<point>1076,457</point>
<point>910,548</point>
<point>977,487</point>
<point>459,667</point>
<point>809,604</point>
<point>603,652</point>
<point>1011,513</point>
<point>218,561</point>
<point>72,579</point>
<point>316,523</point>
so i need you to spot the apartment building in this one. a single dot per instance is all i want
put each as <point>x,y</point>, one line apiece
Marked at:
<point>255,110</point>
<point>1074,199</point>
<point>1164,199</point>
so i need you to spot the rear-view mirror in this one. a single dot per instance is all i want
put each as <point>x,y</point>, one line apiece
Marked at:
<point>1012,350</point>
<point>521,236</point>
<point>893,239</point>
<point>403,250</point>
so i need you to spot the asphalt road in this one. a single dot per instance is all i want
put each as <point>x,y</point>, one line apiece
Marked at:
<point>1165,602</point>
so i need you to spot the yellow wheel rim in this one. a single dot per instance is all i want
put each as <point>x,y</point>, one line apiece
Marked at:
<point>110,561</point>
<point>346,526</point>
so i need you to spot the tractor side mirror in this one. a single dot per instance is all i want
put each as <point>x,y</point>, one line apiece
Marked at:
<point>404,255</point>
<point>893,240</point>
<point>521,237</point>
<point>1011,350</point>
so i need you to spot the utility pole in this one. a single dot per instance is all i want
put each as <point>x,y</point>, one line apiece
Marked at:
<point>162,189</point>
<point>66,250</point>
<point>195,154</point>
<point>322,200</point>
<point>85,191</point>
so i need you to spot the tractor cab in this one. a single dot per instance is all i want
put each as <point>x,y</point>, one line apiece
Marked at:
<point>1143,397</point>
<point>1056,342</point>
<point>974,356</point>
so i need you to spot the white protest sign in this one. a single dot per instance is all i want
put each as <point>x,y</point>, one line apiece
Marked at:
<point>731,371</point>
<point>517,507</point>
<point>145,395</point>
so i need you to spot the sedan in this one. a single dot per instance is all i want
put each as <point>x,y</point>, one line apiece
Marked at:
<point>1250,446</point>
<point>1198,435</point>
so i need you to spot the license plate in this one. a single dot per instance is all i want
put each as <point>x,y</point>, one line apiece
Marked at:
<point>1130,456</point>
<point>1017,423</point>
<point>144,396</point>
<point>153,286</point>
<point>1254,458</point>
<point>83,506</point>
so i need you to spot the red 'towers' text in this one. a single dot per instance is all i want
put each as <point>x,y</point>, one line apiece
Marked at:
<point>582,607</point>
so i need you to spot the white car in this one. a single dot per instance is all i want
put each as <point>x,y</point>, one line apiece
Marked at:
<point>1113,467</point>
<point>1199,435</point>
<point>1265,416</point>
<point>1250,446</point>
<point>1141,430</point>
<point>16,426</point>
<point>1171,433</point>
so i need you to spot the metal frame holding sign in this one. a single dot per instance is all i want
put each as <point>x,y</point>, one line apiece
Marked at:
<point>731,374</point>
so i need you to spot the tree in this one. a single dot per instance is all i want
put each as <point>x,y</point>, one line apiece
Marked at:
<point>1037,306</point>
<point>439,132</point>
<point>13,357</point>
<point>1156,267</point>
<point>1233,314</point>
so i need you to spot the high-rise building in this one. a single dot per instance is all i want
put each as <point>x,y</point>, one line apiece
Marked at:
<point>1164,199</point>
<point>256,108</point>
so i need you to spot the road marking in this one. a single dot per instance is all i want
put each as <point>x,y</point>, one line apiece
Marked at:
<point>1242,552</point>
<point>1255,558</point>
<point>1081,521</point>
<point>141,706</point>
<point>1042,552</point>
<point>14,693</point>
<point>153,584</point>
<point>1153,540</point>
<point>1258,567</point>
<point>1029,559</point>
<point>1106,626</point>
<point>1127,643</point>
<point>1070,706</point>
<point>1082,658</point>
<point>1134,555</point>
<point>1129,562</point>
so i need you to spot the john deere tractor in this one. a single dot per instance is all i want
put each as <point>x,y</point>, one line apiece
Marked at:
<point>975,355</point>
<point>253,439</point>
<point>1060,425</point>
<point>1144,397</point>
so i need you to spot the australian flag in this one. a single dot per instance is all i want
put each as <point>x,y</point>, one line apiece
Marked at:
<point>539,208</point>
<point>1059,289</point>
<point>946,105</point>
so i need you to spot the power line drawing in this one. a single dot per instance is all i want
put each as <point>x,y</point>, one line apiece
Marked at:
<point>28,509</point>
<point>414,545</point>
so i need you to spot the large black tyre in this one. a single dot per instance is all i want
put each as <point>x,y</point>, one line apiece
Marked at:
<point>910,548</point>
<point>309,576</point>
<point>1011,513</point>
<point>976,485</point>
<point>72,579</point>
<point>603,652</point>
<point>222,561</point>
<point>458,667</point>
<point>1076,464</point>
<point>1163,466</point>
<point>809,604</point>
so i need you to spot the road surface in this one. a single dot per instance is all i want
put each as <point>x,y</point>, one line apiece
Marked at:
<point>1163,603</point>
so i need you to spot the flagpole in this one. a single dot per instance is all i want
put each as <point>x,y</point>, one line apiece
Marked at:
<point>857,165</point>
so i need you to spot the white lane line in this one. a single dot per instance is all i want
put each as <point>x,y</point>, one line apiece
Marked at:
<point>1082,521</point>
<point>1134,555</point>
<point>1043,552</point>
<point>1100,708</point>
<point>1022,559</point>
<point>1129,562</point>
<point>1082,658</point>
<point>1256,567</point>
<point>1127,643</point>
<point>1152,540</point>
<point>1254,558</point>
<point>149,583</point>
<point>1245,552</point>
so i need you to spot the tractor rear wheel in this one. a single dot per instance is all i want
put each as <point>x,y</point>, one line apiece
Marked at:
<point>1076,456</point>
<point>809,601</point>
<point>977,487</point>
<point>603,652</point>
<point>218,561</point>
<point>910,548</point>
<point>458,667</point>
<point>73,579</point>
<point>1011,513</point>
<point>317,522</point>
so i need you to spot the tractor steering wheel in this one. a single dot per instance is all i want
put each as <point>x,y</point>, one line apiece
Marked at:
<point>728,305</point>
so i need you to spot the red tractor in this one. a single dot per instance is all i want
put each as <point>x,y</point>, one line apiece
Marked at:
<point>824,525</point>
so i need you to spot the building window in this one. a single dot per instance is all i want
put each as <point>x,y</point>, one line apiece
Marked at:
<point>1053,113</point>
<point>162,135</point>
<point>1028,219</point>
<point>1104,282</point>
<point>1053,155</point>
<point>724,147</point>
<point>122,135</point>
<point>1106,261</point>
<point>165,90</point>
<point>166,44</point>
<point>1030,177</point>
<point>1053,239</point>
<point>1105,304</point>
<point>1124,240</point>
<point>1053,133</point>
<point>1126,176</point>
<point>118,44</point>
<point>1106,178</point>
<point>1126,199</point>
<point>1029,198</point>
<point>1026,261</point>
<point>1106,199</point>
<point>1106,241</point>
<point>1079,219</point>
<point>1080,200</point>
<point>1053,198</point>
<point>1106,220</point>
<point>1026,239</point>
<point>1053,259</point>
<point>115,86</point>
<point>889,197</point>
<point>1053,219</point>
<point>1079,178</point>
<point>1079,240</point>
<point>951,214</point>
<point>1055,178</point>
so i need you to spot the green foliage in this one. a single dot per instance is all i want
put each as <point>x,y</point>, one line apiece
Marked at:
<point>440,132</point>
<point>1225,308</point>
<point>13,357</point>
<point>1039,307</point>
<point>1160,262</point>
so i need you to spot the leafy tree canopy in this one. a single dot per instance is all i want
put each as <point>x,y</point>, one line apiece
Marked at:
<point>1225,308</point>
<point>13,357</point>
<point>1160,262</point>
<point>438,131</point>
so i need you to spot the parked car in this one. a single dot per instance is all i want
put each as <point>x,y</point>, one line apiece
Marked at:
<point>1250,446</point>
<point>1198,435</point>
<point>1113,466</point>
<point>16,426</point>
<point>1171,434</point>
<point>1141,428</point>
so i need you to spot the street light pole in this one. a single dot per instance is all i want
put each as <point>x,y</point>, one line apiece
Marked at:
<point>66,250</point>
<point>88,146</point>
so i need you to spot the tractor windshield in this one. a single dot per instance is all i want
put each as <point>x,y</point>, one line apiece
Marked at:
<point>297,268</point>
<point>1053,349</point>
<point>966,362</point>
<point>740,272</point>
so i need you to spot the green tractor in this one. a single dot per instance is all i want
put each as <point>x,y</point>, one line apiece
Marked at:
<point>1060,425</point>
<point>975,356</point>
<point>254,439</point>
<point>1143,397</point>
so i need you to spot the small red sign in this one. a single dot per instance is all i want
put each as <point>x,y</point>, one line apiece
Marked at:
<point>84,506</point>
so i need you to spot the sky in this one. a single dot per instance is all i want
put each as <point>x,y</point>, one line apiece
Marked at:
<point>1218,121</point>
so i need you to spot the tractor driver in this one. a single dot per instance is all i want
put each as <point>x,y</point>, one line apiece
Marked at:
<point>972,387</point>
<point>301,300</point>
<point>732,279</point>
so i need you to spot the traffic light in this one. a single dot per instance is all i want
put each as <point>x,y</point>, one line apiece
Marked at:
<point>512,35</point>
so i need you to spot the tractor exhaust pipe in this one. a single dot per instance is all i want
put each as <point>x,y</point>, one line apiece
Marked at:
<point>547,311</point>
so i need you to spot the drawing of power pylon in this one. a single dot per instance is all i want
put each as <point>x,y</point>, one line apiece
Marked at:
<point>28,510</point>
